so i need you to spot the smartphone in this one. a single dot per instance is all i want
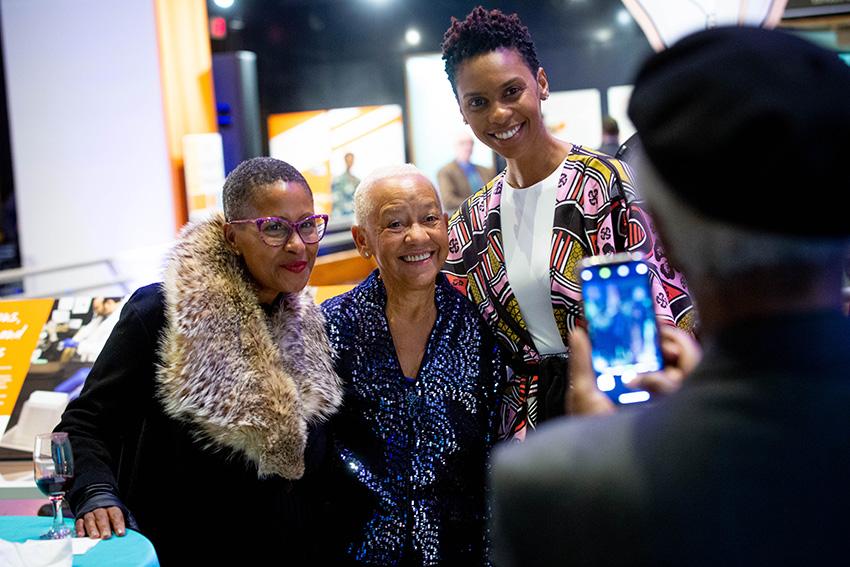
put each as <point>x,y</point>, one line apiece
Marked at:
<point>621,323</point>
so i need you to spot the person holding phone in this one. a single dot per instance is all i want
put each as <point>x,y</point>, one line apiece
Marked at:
<point>747,461</point>
<point>194,421</point>
<point>621,323</point>
<point>514,244</point>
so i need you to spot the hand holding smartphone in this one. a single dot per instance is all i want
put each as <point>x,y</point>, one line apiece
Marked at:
<point>621,323</point>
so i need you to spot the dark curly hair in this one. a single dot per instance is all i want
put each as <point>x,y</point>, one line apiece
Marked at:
<point>244,182</point>
<point>483,31</point>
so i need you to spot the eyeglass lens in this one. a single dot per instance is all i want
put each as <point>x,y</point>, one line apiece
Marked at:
<point>278,232</point>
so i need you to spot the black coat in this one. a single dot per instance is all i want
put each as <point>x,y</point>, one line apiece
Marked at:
<point>191,502</point>
<point>198,410</point>
<point>747,465</point>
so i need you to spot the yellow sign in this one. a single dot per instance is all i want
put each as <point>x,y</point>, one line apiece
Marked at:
<point>20,324</point>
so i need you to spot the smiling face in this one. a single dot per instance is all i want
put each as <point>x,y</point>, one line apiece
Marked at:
<point>275,269</point>
<point>499,97</point>
<point>406,231</point>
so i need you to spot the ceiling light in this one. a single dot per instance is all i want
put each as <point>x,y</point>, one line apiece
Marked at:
<point>603,35</point>
<point>223,3</point>
<point>412,36</point>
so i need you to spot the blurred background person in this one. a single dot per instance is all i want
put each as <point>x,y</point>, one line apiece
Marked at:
<point>91,337</point>
<point>460,177</point>
<point>200,405</point>
<point>342,189</point>
<point>421,373</point>
<point>81,350</point>
<point>748,462</point>
<point>513,247</point>
<point>610,136</point>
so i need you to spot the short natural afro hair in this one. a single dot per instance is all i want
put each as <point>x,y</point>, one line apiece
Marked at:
<point>244,182</point>
<point>483,31</point>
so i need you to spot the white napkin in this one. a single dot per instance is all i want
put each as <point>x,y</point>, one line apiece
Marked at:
<point>82,544</point>
<point>36,553</point>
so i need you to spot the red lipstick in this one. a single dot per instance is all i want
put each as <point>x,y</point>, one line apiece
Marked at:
<point>295,267</point>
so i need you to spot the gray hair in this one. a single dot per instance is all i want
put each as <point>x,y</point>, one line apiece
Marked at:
<point>248,179</point>
<point>364,206</point>
<point>705,247</point>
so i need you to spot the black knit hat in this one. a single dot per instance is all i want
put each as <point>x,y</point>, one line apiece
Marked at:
<point>751,127</point>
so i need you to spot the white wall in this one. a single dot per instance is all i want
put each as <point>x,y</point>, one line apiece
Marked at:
<point>575,116</point>
<point>91,169</point>
<point>434,118</point>
<point>618,106</point>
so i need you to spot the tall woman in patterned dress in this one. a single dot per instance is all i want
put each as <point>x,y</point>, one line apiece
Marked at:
<point>514,244</point>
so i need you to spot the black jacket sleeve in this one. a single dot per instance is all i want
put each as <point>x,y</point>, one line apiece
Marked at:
<point>104,422</point>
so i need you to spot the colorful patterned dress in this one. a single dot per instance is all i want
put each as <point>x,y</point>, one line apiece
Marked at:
<point>596,212</point>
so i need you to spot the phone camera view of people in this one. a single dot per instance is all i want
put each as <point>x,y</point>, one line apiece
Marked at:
<point>621,323</point>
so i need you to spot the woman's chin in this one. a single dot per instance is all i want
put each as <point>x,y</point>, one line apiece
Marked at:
<point>297,286</point>
<point>291,283</point>
<point>421,280</point>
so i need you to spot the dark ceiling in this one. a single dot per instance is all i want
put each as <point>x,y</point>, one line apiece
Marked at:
<point>331,53</point>
<point>336,53</point>
<point>353,29</point>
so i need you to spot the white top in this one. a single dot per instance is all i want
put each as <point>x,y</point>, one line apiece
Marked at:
<point>527,217</point>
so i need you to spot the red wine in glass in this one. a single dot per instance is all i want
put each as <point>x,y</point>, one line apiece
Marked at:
<point>55,484</point>
<point>53,466</point>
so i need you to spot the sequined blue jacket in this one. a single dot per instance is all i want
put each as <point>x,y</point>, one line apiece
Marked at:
<point>412,453</point>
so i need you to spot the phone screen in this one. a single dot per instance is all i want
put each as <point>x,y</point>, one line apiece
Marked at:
<point>621,324</point>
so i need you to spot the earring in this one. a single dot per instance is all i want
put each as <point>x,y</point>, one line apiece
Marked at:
<point>366,254</point>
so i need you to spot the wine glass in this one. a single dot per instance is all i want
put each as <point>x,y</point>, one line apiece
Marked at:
<point>53,464</point>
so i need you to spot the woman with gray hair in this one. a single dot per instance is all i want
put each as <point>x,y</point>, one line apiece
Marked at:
<point>421,373</point>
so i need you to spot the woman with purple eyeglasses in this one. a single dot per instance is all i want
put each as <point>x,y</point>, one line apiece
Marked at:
<point>205,409</point>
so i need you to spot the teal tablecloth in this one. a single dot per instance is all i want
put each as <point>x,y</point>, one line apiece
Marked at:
<point>131,549</point>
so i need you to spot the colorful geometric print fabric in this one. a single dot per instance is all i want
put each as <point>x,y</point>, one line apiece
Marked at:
<point>596,212</point>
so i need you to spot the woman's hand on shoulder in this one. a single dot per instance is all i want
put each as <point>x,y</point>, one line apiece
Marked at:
<point>100,523</point>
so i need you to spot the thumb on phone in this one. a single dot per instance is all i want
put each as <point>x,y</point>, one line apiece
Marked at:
<point>583,397</point>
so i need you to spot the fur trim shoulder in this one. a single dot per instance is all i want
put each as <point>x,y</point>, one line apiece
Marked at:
<point>246,382</point>
<point>298,327</point>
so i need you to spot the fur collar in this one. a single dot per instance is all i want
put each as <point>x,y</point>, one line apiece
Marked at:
<point>244,381</point>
